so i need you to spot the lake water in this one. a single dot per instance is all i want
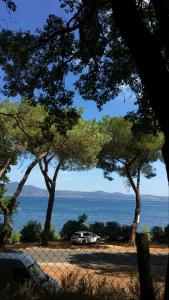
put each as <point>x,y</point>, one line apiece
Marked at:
<point>154,212</point>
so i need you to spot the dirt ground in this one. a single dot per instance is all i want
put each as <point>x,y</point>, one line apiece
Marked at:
<point>120,275</point>
<point>117,263</point>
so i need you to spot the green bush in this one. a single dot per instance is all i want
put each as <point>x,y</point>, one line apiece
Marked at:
<point>15,237</point>
<point>166,234</point>
<point>31,232</point>
<point>70,227</point>
<point>97,228</point>
<point>112,231</point>
<point>146,231</point>
<point>53,234</point>
<point>157,233</point>
<point>125,233</point>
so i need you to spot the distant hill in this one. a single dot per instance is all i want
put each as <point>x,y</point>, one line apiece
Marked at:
<point>33,191</point>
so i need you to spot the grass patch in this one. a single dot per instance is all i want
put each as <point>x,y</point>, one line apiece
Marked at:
<point>75,288</point>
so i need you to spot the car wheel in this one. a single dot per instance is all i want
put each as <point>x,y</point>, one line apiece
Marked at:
<point>97,241</point>
<point>84,243</point>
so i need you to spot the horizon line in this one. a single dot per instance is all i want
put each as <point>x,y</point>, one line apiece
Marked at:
<point>96,191</point>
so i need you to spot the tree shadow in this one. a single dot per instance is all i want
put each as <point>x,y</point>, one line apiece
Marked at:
<point>110,263</point>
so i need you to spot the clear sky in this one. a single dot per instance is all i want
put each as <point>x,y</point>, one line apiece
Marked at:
<point>30,15</point>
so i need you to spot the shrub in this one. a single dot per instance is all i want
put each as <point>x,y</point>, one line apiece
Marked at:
<point>97,228</point>
<point>31,232</point>
<point>125,233</point>
<point>53,234</point>
<point>157,233</point>
<point>70,227</point>
<point>146,231</point>
<point>166,234</point>
<point>15,237</point>
<point>112,231</point>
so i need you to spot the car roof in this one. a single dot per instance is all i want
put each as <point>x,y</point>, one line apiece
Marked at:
<point>25,258</point>
<point>83,232</point>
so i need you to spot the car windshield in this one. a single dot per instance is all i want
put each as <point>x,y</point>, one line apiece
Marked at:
<point>38,273</point>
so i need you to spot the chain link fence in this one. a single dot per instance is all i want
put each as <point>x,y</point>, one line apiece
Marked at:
<point>115,263</point>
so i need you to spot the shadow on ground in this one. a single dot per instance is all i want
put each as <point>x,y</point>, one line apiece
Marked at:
<point>115,262</point>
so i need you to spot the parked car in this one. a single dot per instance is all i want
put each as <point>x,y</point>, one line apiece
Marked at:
<point>84,237</point>
<point>20,266</point>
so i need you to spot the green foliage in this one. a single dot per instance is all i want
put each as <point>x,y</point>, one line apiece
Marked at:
<point>112,231</point>
<point>71,226</point>
<point>39,71</point>
<point>146,231</point>
<point>124,149</point>
<point>97,228</point>
<point>53,234</point>
<point>157,233</point>
<point>82,219</point>
<point>6,200</point>
<point>166,234</point>
<point>15,237</point>
<point>10,5</point>
<point>80,147</point>
<point>125,233</point>
<point>31,232</point>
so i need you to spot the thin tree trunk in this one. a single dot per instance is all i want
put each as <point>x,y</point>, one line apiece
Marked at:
<point>51,186</point>
<point>135,221</point>
<point>47,225</point>
<point>24,179</point>
<point>136,189</point>
<point>8,211</point>
<point>6,224</point>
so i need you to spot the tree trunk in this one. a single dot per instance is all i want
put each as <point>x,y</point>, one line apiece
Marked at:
<point>4,168</point>
<point>144,267</point>
<point>148,56</point>
<point>46,231</point>
<point>136,220</point>
<point>151,66</point>
<point>9,210</point>
<point>51,186</point>
<point>6,227</point>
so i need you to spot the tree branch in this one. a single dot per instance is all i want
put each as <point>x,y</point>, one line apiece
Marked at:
<point>3,207</point>
<point>45,175</point>
<point>24,179</point>
<point>57,171</point>
<point>4,168</point>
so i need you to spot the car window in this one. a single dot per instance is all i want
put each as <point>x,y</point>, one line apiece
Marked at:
<point>77,234</point>
<point>86,234</point>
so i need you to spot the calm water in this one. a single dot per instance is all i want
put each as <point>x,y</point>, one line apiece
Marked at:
<point>154,212</point>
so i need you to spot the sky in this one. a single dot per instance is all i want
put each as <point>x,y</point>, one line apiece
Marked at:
<point>31,15</point>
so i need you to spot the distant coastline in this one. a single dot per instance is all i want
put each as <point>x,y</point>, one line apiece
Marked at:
<point>33,191</point>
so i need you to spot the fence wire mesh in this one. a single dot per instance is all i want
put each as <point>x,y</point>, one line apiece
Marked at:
<point>115,263</point>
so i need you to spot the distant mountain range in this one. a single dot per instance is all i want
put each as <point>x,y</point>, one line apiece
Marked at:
<point>33,191</point>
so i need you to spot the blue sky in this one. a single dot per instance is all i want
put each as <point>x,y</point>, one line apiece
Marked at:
<point>30,15</point>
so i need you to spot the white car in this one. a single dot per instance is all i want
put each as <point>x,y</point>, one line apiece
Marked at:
<point>84,237</point>
<point>20,266</point>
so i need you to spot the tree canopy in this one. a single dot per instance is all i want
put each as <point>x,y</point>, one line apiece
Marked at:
<point>130,156</point>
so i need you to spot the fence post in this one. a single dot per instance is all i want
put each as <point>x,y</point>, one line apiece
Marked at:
<point>144,267</point>
<point>166,292</point>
